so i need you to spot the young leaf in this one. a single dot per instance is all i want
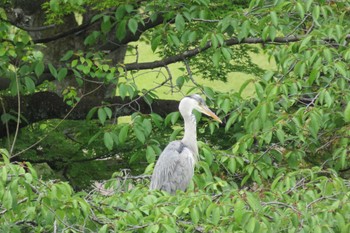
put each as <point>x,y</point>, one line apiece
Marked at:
<point>123,134</point>
<point>108,112</point>
<point>194,215</point>
<point>53,70</point>
<point>150,154</point>
<point>106,24</point>
<point>39,68</point>
<point>29,84</point>
<point>102,116</point>
<point>174,117</point>
<point>121,30</point>
<point>139,135</point>
<point>274,18</point>
<point>62,74</point>
<point>179,22</point>
<point>216,58</point>
<point>232,165</point>
<point>67,56</point>
<point>347,113</point>
<point>108,140</point>
<point>132,25</point>
<point>91,113</point>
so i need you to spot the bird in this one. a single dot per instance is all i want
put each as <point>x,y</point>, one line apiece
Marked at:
<point>174,168</point>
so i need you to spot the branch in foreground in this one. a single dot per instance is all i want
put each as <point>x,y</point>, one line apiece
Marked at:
<point>193,52</point>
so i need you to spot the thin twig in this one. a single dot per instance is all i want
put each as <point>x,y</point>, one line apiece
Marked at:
<point>170,78</point>
<point>281,204</point>
<point>189,72</point>
<point>302,21</point>
<point>18,115</point>
<point>320,199</point>
<point>206,20</point>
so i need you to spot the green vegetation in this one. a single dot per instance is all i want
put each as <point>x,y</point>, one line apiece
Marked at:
<point>278,163</point>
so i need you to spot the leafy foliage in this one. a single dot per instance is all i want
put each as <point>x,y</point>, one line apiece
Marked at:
<point>307,200</point>
<point>279,163</point>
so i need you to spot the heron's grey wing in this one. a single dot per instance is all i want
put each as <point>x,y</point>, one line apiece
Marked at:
<point>174,168</point>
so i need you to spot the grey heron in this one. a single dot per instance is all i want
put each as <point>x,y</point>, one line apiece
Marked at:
<point>175,166</point>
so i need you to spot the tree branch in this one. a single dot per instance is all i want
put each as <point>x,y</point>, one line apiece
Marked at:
<point>193,52</point>
<point>47,105</point>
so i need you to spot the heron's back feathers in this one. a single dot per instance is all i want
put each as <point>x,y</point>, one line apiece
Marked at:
<point>174,168</point>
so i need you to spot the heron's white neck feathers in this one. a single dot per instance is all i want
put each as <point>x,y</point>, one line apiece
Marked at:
<point>190,135</point>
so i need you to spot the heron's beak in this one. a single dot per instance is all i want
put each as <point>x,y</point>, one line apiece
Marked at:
<point>208,112</point>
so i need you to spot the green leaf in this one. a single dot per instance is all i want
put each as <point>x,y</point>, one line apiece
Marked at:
<point>122,90</point>
<point>214,41</point>
<point>232,165</point>
<point>268,75</point>
<point>194,215</point>
<point>244,86</point>
<point>29,84</point>
<point>180,81</point>
<point>216,215</point>
<point>129,8</point>
<point>62,74</point>
<point>328,99</point>
<point>226,106</point>
<point>108,140</point>
<point>123,134</point>
<point>226,52</point>
<point>216,58</point>
<point>150,154</point>
<point>316,13</point>
<point>174,134</point>
<point>155,42</point>
<point>103,229</point>
<point>54,5</point>
<point>300,10</point>
<point>139,135</point>
<point>120,12</point>
<point>39,68</point>
<point>174,117</point>
<point>157,119</point>
<point>250,226</point>
<point>274,18</point>
<point>314,125</point>
<point>108,112</point>
<point>132,25</point>
<point>341,69</point>
<point>67,56</point>
<point>347,113</point>
<point>91,113</point>
<point>263,112</point>
<point>253,202</point>
<point>102,116</point>
<point>259,90</point>
<point>204,40</point>
<point>230,121</point>
<point>315,73</point>
<point>121,30</point>
<point>147,126</point>
<point>280,135</point>
<point>53,70</point>
<point>106,24</point>
<point>7,199</point>
<point>179,22</point>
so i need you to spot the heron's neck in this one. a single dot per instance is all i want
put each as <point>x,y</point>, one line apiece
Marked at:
<point>190,134</point>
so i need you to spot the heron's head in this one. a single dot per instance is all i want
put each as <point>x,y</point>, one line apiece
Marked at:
<point>194,101</point>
